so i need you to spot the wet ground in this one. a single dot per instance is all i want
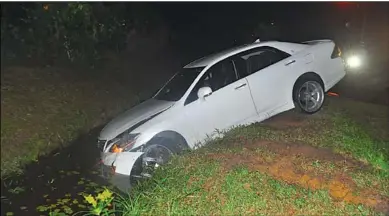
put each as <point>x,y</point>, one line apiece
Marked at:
<point>57,181</point>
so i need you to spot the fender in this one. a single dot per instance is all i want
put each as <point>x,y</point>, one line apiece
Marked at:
<point>124,161</point>
<point>173,135</point>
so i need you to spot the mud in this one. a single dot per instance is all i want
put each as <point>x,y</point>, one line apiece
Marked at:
<point>294,164</point>
<point>285,120</point>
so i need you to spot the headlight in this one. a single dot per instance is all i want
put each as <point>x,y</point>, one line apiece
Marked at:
<point>354,61</point>
<point>124,142</point>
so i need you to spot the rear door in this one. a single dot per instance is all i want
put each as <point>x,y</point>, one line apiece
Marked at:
<point>269,73</point>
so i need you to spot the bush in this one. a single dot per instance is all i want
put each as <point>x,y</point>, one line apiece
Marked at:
<point>74,32</point>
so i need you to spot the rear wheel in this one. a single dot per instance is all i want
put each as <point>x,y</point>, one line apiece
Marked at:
<point>308,95</point>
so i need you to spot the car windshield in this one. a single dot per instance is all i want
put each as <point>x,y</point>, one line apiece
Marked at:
<point>179,84</point>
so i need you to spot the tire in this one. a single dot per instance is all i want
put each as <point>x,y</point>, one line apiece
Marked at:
<point>141,169</point>
<point>308,94</point>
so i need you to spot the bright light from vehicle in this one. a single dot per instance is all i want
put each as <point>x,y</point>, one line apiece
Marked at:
<point>354,62</point>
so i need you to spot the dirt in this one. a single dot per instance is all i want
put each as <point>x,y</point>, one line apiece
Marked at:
<point>213,187</point>
<point>300,164</point>
<point>286,120</point>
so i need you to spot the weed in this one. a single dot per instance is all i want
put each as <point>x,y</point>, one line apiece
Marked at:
<point>101,204</point>
<point>16,190</point>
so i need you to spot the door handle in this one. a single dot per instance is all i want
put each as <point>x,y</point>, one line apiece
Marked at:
<point>207,95</point>
<point>240,86</point>
<point>291,62</point>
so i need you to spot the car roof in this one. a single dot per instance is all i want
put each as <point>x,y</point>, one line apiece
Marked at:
<point>216,57</point>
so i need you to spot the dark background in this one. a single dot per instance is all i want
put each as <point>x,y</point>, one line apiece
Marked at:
<point>201,27</point>
<point>221,23</point>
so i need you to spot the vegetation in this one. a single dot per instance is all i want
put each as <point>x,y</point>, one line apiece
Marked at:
<point>101,203</point>
<point>296,165</point>
<point>41,111</point>
<point>71,33</point>
<point>48,104</point>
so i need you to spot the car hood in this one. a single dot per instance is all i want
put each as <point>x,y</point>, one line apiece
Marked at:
<point>128,119</point>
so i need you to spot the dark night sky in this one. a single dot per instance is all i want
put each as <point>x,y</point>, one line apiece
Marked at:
<point>233,17</point>
<point>318,13</point>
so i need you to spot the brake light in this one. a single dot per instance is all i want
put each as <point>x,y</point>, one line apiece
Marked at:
<point>336,52</point>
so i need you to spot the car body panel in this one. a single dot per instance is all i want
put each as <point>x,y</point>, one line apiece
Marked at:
<point>226,107</point>
<point>330,70</point>
<point>131,117</point>
<point>265,83</point>
<point>122,162</point>
<point>173,119</point>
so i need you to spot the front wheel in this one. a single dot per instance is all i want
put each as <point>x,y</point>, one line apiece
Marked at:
<point>308,95</point>
<point>155,154</point>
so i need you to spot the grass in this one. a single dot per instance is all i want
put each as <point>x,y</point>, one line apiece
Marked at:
<point>249,172</point>
<point>236,192</point>
<point>43,109</point>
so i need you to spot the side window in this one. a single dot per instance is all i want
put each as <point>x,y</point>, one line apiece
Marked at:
<point>241,67</point>
<point>263,60</point>
<point>216,77</point>
<point>262,57</point>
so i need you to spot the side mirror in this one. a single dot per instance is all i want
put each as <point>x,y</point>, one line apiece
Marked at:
<point>204,92</point>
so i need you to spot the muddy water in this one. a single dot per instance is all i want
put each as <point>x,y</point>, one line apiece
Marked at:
<point>56,181</point>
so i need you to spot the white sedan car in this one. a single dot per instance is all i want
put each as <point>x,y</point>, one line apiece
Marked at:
<point>238,86</point>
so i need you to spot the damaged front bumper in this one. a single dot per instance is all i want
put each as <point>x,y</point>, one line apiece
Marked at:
<point>117,167</point>
<point>122,162</point>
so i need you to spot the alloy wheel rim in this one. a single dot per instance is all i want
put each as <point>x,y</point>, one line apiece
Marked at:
<point>310,96</point>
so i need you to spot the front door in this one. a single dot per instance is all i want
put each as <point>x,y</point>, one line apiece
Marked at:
<point>229,104</point>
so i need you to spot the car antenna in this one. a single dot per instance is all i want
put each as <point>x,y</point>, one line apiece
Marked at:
<point>257,41</point>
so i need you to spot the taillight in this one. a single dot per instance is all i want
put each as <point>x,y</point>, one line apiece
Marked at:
<point>336,53</point>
